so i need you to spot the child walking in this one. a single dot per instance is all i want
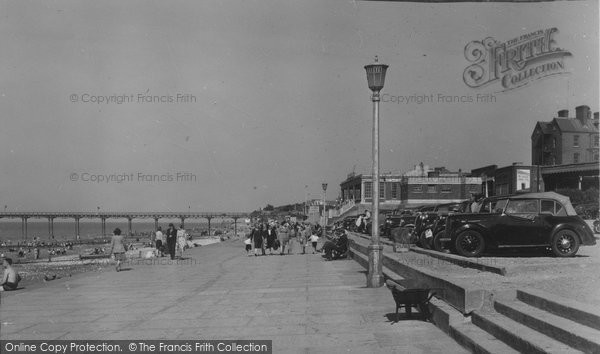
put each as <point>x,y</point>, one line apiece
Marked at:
<point>314,239</point>
<point>248,243</point>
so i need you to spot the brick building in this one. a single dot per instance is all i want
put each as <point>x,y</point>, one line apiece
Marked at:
<point>568,150</point>
<point>422,185</point>
<point>565,140</point>
<point>516,178</point>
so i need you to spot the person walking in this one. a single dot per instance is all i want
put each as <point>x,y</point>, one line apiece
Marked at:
<point>248,243</point>
<point>303,235</point>
<point>181,241</point>
<point>257,237</point>
<point>264,232</point>
<point>284,237</point>
<point>271,237</point>
<point>171,240</point>
<point>117,249</point>
<point>314,239</point>
<point>159,238</point>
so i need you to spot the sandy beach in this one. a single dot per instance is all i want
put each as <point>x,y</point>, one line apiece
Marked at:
<point>48,268</point>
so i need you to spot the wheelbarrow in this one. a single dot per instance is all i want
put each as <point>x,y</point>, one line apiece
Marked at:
<point>410,297</point>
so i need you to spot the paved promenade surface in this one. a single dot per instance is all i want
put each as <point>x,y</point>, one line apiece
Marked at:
<point>301,302</point>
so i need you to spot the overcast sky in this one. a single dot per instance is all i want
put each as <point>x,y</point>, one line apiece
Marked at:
<point>279,98</point>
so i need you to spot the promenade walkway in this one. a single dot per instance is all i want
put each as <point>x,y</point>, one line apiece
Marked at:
<point>301,302</point>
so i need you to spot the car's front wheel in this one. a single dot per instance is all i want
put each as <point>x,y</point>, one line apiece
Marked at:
<point>565,243</point>
<point>469,243</point>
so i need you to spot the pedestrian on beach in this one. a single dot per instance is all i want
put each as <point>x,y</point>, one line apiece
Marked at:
<point>171,240</point>
<point>264,232</point>
<point>159,239</point>
<point>248,243</point>
<point>181,240</point>
<point>257,238</point>
<point>117,249</point>
<point>10,277</point>
<point>304,237</point>
<point>284,237</point>
<point>271,237</point>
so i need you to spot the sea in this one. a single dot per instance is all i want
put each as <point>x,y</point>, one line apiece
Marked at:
<point>64,230</point>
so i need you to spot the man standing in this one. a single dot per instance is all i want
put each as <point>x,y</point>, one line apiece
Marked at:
<point>171,240</point>
<point>159,239</point>
<point>284,237</point>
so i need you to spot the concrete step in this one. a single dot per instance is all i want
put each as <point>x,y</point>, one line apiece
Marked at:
<point>567,308</point>
<point>562,329</point>
<point>477,340</point>
<point>518,336</point>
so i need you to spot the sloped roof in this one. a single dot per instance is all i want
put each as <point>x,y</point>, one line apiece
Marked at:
<point>574,125</point>
<point>544,127</point>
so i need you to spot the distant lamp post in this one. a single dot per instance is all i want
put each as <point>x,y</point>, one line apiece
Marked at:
<point>375,78</point>
<point>324,218</point>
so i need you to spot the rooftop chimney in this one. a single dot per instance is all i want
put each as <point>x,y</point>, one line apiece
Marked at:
<point>595,120</point>
<point>563,113</point>
<point>582,114</point>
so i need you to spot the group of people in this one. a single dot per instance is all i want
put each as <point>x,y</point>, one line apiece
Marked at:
<point>276,237</point>
<point>175,241</point>
<point>337,247</point>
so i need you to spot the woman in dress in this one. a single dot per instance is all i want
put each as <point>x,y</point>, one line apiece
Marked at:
<point>271,237</point>
<point>181,241</point>
<point>117,249</point>
<point>257,237</point>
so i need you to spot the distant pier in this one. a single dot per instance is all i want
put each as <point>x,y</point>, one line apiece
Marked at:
<point>103,216</point>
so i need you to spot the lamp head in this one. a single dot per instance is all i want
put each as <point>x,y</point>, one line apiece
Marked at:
<point>376,75</point>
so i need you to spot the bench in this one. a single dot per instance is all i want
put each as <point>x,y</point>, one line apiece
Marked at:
<point>418,298</point>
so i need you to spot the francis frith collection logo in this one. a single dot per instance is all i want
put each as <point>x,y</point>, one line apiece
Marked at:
<point>516,62</point>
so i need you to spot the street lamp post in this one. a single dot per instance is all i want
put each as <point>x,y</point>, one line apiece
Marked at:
<point>375,79</point>
<point>324,217</point>
<point>305,210</point>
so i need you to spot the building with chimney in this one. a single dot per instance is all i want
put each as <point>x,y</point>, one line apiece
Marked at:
<point>567,148</point>
<point>565,140</point>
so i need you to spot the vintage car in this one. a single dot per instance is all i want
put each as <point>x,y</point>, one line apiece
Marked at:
<point>545,220</point>
<point>427,223</point>
<point>349,222</point>
<point>393,221</point>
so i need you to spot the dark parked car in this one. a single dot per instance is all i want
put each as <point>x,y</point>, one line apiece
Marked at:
<point>427,223</point>
<point>393,221</point>
<point>349,222</point>
<point>528,220</point>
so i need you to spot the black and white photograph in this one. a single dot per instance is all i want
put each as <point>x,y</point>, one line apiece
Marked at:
<point>343,176</point>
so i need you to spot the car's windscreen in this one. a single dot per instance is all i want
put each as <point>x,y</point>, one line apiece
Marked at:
<point>525,206</point>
